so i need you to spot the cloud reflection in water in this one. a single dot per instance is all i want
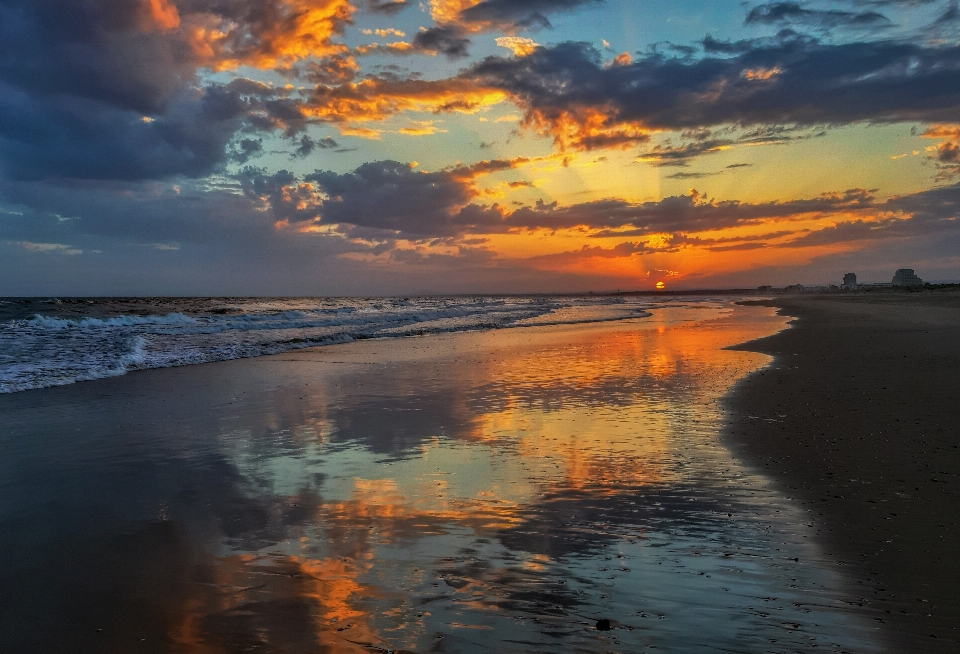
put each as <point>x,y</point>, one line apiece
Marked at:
<point>495,491</point>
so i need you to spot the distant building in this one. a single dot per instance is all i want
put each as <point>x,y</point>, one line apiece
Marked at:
<point>849,282</point>
<point>906,277</point>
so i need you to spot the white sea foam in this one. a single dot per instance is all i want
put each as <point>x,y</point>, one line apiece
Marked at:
<point>117,321</point>
<point>86,342</point>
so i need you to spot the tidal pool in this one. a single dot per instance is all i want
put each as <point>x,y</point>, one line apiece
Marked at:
<point>495,491</point>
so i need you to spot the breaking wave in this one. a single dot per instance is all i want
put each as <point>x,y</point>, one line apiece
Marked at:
<point>66,341</point>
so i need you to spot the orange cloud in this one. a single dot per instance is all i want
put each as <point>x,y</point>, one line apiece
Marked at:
<point>942,132</point>
<point>481,168</point>
<point>375,99</point>
<point>585,128</point>
<point>518,45</point>
<point>761,74</point>
<point>448,11</point>
<point>947,153</point>
<point>397,48</point>
<point>162,15</point>
<point>422,128</point>
<point>282,33</point>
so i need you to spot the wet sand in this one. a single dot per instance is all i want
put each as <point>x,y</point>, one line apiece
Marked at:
<point>858,417</point>
<point>495,491</point>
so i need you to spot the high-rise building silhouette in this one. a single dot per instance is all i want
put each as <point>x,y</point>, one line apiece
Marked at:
<point>906,277</point>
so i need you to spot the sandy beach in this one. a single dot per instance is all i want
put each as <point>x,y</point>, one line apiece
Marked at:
<point>502,490</point>
<point>857,418</point>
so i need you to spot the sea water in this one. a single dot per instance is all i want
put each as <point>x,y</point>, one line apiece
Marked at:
<point>51,341</point>
<point>487,491</point>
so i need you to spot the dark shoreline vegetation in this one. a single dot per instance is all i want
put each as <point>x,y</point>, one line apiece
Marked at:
<point>857,419</point>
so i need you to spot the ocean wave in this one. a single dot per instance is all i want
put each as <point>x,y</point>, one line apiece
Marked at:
<point>50,350</point>
<point>48,322</point>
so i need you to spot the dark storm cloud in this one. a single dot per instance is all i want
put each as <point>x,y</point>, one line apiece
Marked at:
<point>137,54</point>
<point>199,131</point>
<point>77,137</point>
<point>97,50</point>
<point>110,89</point>
<point>794,13</point>
<point>569,92</point>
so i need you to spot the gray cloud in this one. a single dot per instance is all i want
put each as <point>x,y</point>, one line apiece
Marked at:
<point>451,39</point>
<point>448,40</point>
<point>795,82</point>
<point>797,14</point>
<point>388,200</point>
<point>383,195</point>
<point>307,146</point>
<point>403,202</point>
<point>388,7</point>
<point>520,14</point>
<point>683,213</point>
<point>223,235</point>
<point>106,89</point>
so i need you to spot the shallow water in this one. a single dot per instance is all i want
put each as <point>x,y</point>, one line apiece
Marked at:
<point>51,342</point>
<point>496,491</point>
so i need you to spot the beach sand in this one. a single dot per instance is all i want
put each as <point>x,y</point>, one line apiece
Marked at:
<point>858,418</point>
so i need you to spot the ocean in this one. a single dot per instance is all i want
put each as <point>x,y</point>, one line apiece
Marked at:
<point>492,486</point>
<point>50,341</point>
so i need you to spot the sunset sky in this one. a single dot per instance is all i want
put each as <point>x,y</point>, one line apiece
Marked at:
<point>331,147</point>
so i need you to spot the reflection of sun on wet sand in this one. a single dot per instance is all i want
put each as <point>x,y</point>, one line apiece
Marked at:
<point>593,414</point>
<point>288,601</point>
<point>553,407</point>
<point>461,492</point>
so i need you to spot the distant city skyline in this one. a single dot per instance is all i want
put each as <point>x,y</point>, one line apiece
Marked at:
<point>371,147</point>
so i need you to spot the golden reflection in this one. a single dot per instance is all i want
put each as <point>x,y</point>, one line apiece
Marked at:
<point>249,599</point>
<point>532,420</point>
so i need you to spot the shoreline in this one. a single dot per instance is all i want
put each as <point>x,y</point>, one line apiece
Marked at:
<point>856,417</point>
<point>40,350</point>
<point>567,474</point>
